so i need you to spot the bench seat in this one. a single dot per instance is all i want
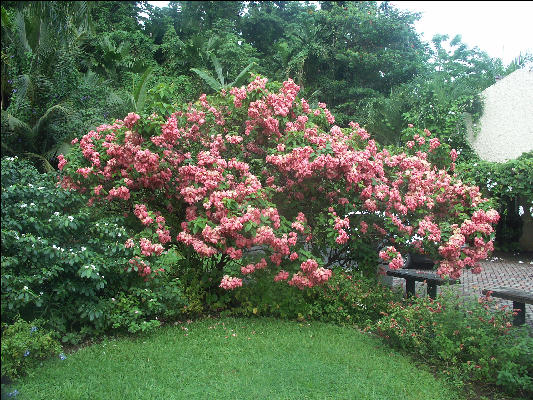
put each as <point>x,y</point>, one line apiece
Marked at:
<point>517,296</point>
<point>411,276</point>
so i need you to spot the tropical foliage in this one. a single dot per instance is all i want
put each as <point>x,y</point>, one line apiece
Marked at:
<point>220,179</point>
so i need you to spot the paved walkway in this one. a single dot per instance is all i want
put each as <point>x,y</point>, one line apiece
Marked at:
<point>509,270</point>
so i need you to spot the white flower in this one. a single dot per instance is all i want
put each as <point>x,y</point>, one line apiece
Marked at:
<point>93,267</point>
<point>32,204</point>
<point>40,187</point>
<point>83,248</point>
<point>30,185</point>
<point>23,205</point>
<point>56,213</point>
<point>70,218</point>
<point>25,288</point>
<point>520,210</point>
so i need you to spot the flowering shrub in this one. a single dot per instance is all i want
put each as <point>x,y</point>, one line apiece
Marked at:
<point>467,339</point>
<point>64,263</point>
<point>256,176</point>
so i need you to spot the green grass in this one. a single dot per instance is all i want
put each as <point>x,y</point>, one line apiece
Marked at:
<point>236,359</point>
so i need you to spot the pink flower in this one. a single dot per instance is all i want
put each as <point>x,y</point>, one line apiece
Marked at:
<point>453,154</point>
<point>131,120</point>
<point>62,162</point>
<point>230,283</point>
<point>281,276</point>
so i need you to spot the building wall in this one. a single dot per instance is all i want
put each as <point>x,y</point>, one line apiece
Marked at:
<point>505,130</point>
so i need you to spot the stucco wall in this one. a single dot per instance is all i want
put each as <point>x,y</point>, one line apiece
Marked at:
<point>505,129</point>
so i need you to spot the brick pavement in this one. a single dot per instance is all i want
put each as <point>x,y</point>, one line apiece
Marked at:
<point>509,270</point>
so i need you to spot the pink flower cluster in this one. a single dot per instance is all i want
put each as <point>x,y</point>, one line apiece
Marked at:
<point>393,256</point>
<point>230,283</point>
<point>309,276</point>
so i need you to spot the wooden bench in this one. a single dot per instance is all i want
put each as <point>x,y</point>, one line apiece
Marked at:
<point>517,296</point>
<point>411,276</point>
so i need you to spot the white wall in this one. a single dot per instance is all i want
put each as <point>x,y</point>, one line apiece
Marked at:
<point>505,129</point>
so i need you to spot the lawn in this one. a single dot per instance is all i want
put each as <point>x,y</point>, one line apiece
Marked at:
<point>234,358</point>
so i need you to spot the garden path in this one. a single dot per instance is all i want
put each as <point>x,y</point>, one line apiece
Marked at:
<point>502,269</point>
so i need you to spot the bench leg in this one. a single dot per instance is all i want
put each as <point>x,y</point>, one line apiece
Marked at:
<point>520,318</point>
<point>432,291</point>
<point>410,287</point>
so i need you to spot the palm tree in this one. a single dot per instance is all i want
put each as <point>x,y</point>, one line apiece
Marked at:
<point>41,30</point>
<point>34,142</point>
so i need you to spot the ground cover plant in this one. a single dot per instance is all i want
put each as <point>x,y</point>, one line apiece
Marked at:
<point>236,358</point>
<point>468,340</point>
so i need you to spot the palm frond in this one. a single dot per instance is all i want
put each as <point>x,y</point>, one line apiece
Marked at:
<point>6,24</point>
<point>61,148</point>
<point>20,28</point>
<point>38,129</point>
<point>14,125</point>
<point>45,164</point>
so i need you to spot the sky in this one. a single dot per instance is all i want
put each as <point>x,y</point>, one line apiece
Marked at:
<point>503,29</point>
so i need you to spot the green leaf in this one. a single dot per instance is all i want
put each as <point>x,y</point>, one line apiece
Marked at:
<point>212,82</point>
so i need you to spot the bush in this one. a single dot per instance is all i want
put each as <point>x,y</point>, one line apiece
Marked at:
<point>344,299</point>
<point>348,299</point>
<point>64,263</point>
<point>24,346</point>
<point>466,339</point>
<point>259,180</point>
<point>510,185</point>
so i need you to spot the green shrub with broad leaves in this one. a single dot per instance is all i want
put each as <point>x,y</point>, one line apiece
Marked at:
<point>64,263</point>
